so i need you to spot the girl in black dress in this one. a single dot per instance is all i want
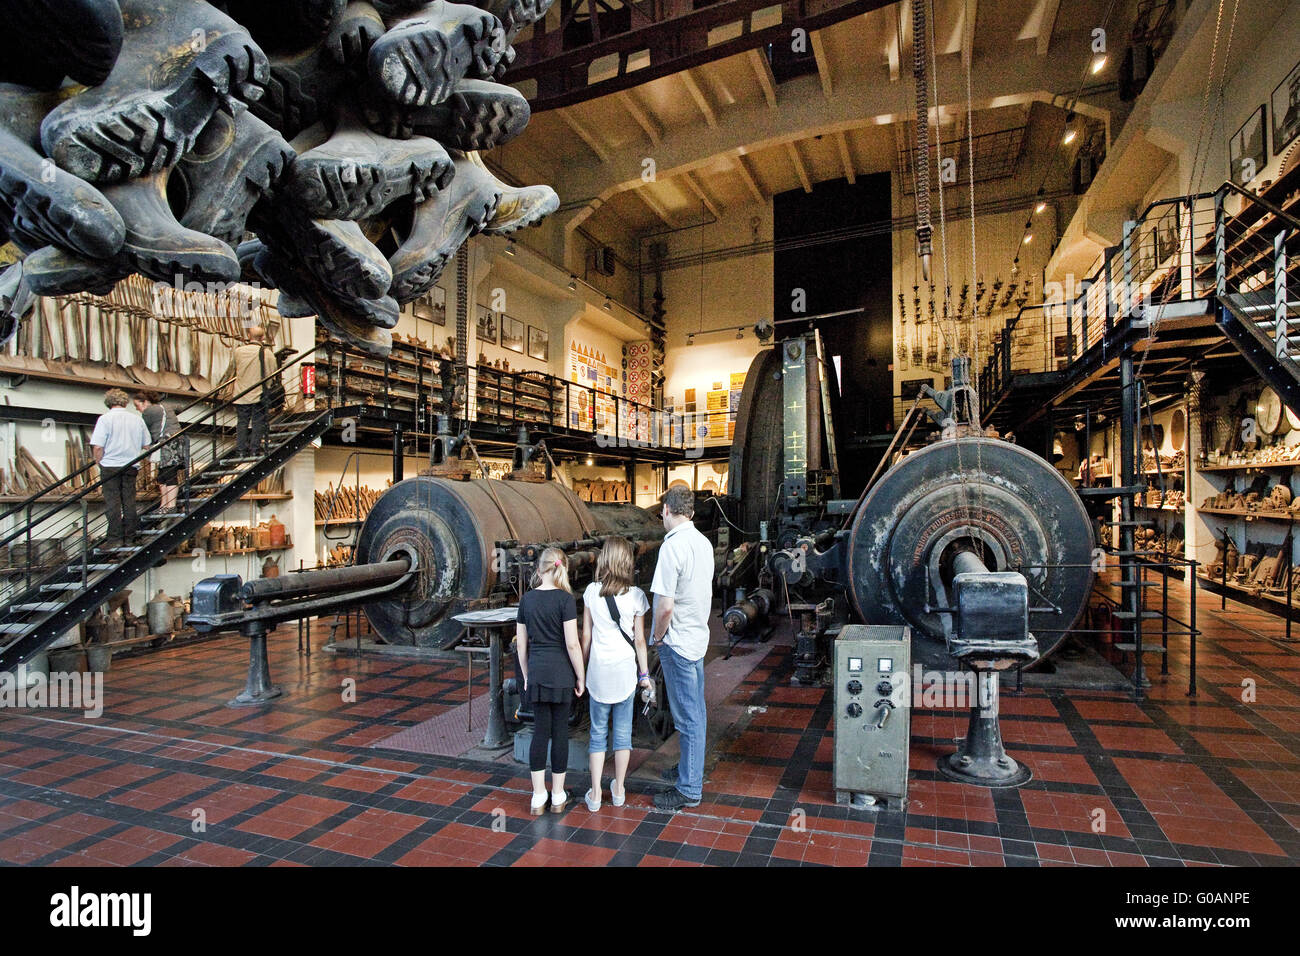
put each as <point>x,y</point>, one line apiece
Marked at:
<point>550,659</point>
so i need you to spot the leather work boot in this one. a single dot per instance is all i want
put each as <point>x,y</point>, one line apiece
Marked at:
<point>304,85</point>
<point>479,114</point>
<point>520,206</point>
<point>46,40</point>
<point>438,227</point>
<point>285,24</point>
<point>356,173</point>
<point>40,203</point>
<point>236,161</point>
<point>180,61</point>
<point>422,56</point>
<point>158,246</point>
<point>362,323</point>
<point>335,251</point>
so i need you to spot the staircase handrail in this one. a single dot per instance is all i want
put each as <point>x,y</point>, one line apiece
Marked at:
<point>190,428</point>
<point>1277,211</point>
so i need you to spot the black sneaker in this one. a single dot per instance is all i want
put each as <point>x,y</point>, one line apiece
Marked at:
<point>673,800</point>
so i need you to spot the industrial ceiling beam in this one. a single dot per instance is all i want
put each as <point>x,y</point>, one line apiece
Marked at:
<point>846,157</point>
<point>662,39</point>
<point>763,70</point>
<point>586,136</point>
<point>701,195</point>
<point>969,12</point>
<point>823,64</point>
<point>654,205</point>
<point>754,189</point>
<point>1046,23</point>
<point>799,167</point>
<point>700,99</point>
<point>643,119</point>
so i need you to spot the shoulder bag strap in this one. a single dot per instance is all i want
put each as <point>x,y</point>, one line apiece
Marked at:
<point>616,616</point>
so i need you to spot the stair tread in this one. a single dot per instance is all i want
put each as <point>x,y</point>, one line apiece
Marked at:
<point>38,607</point>
<point>1146,648</point>
<point>16,628</point>
<point>1130,615</point>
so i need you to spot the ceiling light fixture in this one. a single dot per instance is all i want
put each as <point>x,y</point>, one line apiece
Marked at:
<point>573,283</point>
<point>1098,63</point>
<point>1029,237</point>
<point>1070,131</point>
<point>590,460</point>
<point>609,305</point>
<point>510,247</point>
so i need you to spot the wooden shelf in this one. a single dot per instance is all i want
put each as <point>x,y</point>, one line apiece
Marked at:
<point>1259,466</point>
<point>1160,508</point>
<point>1268,515</point>
<point>228,554</point>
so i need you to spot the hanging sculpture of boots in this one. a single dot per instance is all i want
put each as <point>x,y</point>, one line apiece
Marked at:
<point>351,151</point>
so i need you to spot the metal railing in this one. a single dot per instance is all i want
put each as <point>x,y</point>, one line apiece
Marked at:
<point>414,388</point>
<point>55,528</point>
<point>1162,258</point>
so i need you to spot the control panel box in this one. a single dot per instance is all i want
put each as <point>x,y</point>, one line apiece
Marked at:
<point>873,713</point>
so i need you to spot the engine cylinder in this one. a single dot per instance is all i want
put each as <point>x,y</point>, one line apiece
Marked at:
<point>452,527</point>
<point>977,495</point>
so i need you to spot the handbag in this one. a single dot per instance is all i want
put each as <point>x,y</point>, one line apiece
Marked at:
<point>273,394</point>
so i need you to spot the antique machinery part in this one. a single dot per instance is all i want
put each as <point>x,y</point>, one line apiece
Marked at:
<point>224,603</point>
<point>748,612</point>
<point>924,510</point>
<point>921,182</point>
<point>469,558</point>
<point>778,451</point>
<point>811,641</point>
<point>990,634</point>
<point>755,472</point>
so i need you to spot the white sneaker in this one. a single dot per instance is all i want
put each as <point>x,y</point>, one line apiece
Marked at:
<point>592,804</point>
<point>617,799</point>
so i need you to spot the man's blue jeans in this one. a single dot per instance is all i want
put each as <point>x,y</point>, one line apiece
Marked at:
<point>685,681</point>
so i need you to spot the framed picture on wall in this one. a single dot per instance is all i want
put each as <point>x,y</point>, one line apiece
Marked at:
<point>1248,149</point>
<point>539,344</point>
<point>1286,110</point>
<point>432,306</point>
<point>486,328</point>
<point>512,334</point>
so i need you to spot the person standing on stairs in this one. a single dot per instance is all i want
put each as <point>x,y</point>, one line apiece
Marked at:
<point>253,362</point>
<point>170,458</point>
<point>118,439</point>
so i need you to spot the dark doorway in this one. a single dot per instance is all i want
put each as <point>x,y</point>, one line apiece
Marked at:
<point>852,271</point>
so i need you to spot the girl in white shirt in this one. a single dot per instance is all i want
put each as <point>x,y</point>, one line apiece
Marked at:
<point>613,645</point>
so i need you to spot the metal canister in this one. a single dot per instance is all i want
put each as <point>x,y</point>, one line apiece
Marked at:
<point>159,614</point>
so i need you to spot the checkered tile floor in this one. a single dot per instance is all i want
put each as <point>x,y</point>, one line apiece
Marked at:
<point>170,776</point>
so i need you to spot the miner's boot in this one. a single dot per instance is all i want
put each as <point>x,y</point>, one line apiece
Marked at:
<point>48,205</point>
<point>356,173</point>
<point>180,61</point>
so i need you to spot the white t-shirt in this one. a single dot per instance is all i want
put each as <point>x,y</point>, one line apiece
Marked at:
<point>684,572</point>
<point>121,434</point>
<point>611,669</point>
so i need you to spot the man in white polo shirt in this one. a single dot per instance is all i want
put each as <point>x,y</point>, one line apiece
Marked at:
<point>683,590</point>
<point>118,439</point>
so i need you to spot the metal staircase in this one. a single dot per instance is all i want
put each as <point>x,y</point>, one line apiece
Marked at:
<point>1256,289</point>
<point>41,603</point>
